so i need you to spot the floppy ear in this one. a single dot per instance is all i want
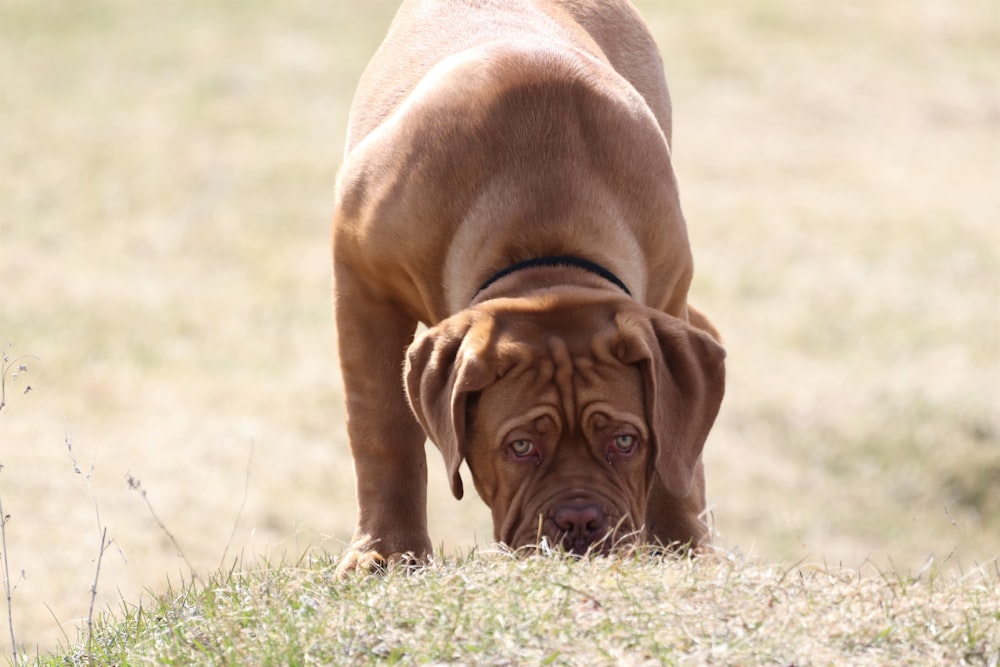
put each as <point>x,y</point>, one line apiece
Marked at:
<point>684,377</point>
<point>443,366</point>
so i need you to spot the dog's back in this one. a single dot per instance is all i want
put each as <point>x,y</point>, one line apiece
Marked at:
<point>426,32</point>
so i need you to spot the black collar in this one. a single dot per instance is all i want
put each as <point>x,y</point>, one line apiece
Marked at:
<point>559,260</point>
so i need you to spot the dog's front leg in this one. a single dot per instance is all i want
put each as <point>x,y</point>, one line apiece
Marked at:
<point>386,441</point>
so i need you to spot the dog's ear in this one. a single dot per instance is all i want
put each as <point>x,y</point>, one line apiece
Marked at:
<point>684,380</point>
<point>443,367</point>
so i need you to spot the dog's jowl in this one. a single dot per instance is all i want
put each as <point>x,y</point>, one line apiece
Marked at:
<point>508,183</point>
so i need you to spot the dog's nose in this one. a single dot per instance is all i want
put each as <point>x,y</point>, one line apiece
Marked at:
<point>580,526</point>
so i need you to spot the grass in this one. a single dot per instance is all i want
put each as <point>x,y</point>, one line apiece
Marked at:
<point>499,609</point>
<point>166,175</point>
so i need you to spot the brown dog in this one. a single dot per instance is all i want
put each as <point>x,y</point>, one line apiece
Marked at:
<point>508,182</point>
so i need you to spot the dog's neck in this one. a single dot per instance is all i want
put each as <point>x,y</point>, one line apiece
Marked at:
<point>548,272</point>
<point>555,261</point>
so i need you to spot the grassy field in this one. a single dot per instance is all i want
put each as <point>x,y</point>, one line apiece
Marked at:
<point>166,181</point>
<point>629,611</point>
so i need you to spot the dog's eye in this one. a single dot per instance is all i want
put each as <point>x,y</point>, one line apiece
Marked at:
<point>624,443</point>
<point>522,447</point>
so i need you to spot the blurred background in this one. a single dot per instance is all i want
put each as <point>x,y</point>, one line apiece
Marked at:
<point>166,187</point>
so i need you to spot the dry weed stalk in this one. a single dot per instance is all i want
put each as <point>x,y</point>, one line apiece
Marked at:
<point>136,485</point>
<point>105,543</point>
<point>7,586</point>
<point>13,368</point>
<point>239,512</point>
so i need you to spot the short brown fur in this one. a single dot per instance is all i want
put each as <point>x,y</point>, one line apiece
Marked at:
<point>485,134</point>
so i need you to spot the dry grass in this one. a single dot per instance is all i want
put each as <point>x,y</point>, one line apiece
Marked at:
<point>631,610</point>
<point>166,175</point>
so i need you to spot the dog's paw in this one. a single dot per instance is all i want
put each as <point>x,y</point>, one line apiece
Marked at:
<point>361,560</point>
<point>361,556</point>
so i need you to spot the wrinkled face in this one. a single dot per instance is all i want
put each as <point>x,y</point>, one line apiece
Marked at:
<point>566,405</point>
<point>559,448</point>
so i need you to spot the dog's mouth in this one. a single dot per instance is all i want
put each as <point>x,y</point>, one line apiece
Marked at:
<point>576,524</point>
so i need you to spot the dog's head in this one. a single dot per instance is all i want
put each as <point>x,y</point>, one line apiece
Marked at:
<point>565,405</point>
